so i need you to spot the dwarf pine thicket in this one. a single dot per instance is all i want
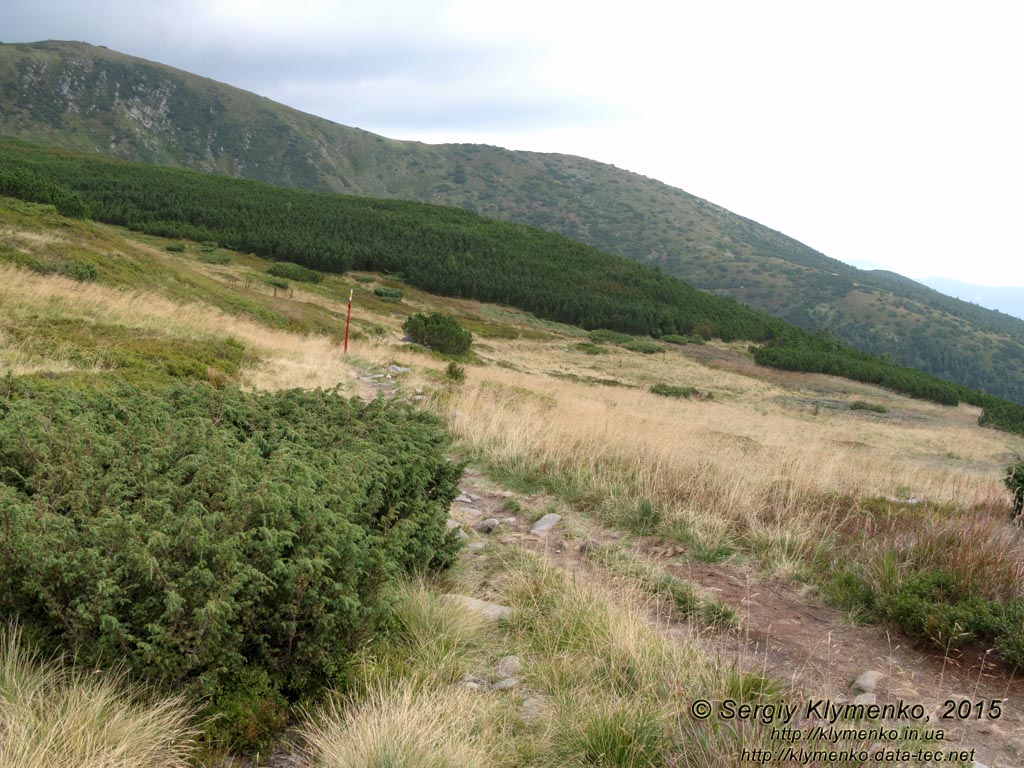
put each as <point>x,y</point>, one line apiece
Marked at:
<point>228,544</point>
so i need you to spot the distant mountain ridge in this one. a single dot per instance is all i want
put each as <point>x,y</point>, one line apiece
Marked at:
<point>87,98</point>
<point>1008,300</point>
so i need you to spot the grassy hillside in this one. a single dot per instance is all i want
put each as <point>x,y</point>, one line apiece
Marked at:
<point>91,99</point>
<point>828,491</point>
<point>445,251</point>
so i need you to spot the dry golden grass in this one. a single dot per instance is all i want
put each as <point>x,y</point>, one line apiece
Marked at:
<point>404,727</point>
<point>287,359</point>
<point>743,470</point>
<point>54,716</point>
<point>727,456</point>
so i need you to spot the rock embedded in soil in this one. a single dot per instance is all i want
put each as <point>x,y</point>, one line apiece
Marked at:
<point>490,525</point>
<point>507,684</point>
<point>484,608</point>
<point>868,681</point>
<point>462,498</point>
<point>545,524</point>
<point>509,666</point>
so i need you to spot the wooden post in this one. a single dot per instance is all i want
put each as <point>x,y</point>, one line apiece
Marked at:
<point>349,318</point>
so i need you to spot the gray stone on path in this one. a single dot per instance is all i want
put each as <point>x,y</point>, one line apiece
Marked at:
<point>509,666</point>
<point>463,498</point>
<point>398,369</point>
<point>478,546</point>
<point>866,699</point>
<point>484,608</point>
<point>868,681</point>
<point>507,684</point>
<point>490,525</point>
<point>545,524</point>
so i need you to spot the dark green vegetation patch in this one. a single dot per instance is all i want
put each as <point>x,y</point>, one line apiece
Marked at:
<point>389,294</point>
<point>674,338</point>
<point>445,251</point>
<point>644,347</point>
<point>438,331</point>
<point>296,272</point>
<point>1014,482</point>
<point>861,405</point>
<point>671,390</point>
<point>230,544</point>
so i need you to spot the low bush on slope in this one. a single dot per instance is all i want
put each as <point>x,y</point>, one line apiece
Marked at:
<point>227,543</point>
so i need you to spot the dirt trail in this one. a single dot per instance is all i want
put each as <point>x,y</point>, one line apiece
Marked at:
<point>794,637</point>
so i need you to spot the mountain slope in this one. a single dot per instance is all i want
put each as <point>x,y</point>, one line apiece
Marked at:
<point>91,99</point>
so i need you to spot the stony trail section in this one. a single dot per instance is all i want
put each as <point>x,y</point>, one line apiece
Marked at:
<point>783,632</point>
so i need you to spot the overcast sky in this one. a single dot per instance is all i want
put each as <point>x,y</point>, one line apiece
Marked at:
<point>885,134</point>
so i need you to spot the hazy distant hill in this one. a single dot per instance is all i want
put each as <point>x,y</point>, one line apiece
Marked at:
<point>92,99</point>
<point>1007,300</point>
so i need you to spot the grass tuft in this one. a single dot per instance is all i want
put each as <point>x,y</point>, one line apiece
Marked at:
<point>54,715</point>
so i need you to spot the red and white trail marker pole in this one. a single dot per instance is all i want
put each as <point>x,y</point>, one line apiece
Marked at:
<point>349,318</point>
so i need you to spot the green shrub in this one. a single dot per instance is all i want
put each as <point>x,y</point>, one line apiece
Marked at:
<point>440,332</point>
<point>591,349</point>
<point>364,279</point>
<point>389,294</point>
<point>1014,482</point>
<point>215,258</point>
<point>295,272</point>
<point>644,347</point>
<point>176,247</point>
<point>215,541</point>
<point>1010,642</point>
<point>860,405</point>
<point>674,338</point>
<point>277,284</point>
<point>934,606</point>
<point>669,390</point>
<point>604,336</point>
